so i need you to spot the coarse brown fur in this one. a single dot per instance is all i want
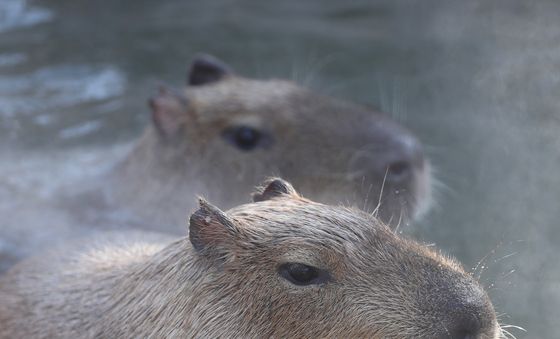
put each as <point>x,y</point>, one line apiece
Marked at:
<point>225,281</point>
<point>334,151</point>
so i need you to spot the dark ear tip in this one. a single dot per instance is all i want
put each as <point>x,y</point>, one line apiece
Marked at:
<point>272,188</point>
<point>206,211</point>
<point>205,59</point>
<point>204,208</point>
<point>202,202</point>
<point>206,68</point>
<point>209,226</point>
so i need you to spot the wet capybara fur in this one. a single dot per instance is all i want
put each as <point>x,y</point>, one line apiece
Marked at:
<point>282,267</point>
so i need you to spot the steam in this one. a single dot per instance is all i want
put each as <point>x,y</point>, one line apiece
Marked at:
<point>479,83</point>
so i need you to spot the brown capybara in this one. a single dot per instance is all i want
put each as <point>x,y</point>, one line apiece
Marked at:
<point>281,267</point>
<point>225,133</point>
<point>220,136</point>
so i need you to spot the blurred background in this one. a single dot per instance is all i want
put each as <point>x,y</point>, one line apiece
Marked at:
<point>476,81</point>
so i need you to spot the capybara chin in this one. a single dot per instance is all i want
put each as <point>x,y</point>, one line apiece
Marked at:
<point>224,133</point>
<point>282,267</point>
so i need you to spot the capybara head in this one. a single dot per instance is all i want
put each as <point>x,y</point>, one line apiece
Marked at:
<point>286,267</point>
<point>280,267</point>
<point>229,132</point>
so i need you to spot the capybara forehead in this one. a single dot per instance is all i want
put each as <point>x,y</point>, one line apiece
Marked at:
<point>302,219</point>
<point>296,223</point>
<point>240,95</point>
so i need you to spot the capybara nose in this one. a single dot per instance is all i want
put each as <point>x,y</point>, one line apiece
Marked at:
<point>470,317</point>
<point>466,326</point>
<point>396,163</point>
<point>405,158</point>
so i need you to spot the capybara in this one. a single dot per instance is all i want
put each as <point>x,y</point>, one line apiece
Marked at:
<point>224,134</point>
<point>281,267</point>
<point>220,136</point>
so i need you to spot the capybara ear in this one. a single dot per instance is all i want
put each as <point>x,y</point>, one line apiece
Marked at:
<point>168,110</point>
<point>207,69</point>
<point>210,228</point>
<point>272,188</point>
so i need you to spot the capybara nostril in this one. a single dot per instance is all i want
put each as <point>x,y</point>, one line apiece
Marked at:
<point>466,326</point>
<point>393,174</point>
<point>409,150</point>
<point>402,159</point>
<point>399,171</point>
<point>468,314</point>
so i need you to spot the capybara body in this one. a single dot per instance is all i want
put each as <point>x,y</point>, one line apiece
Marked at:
<point>280,267</point>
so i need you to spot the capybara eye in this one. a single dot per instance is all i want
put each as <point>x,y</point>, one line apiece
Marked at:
<point>244,137</point>
<point>301,274</point>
